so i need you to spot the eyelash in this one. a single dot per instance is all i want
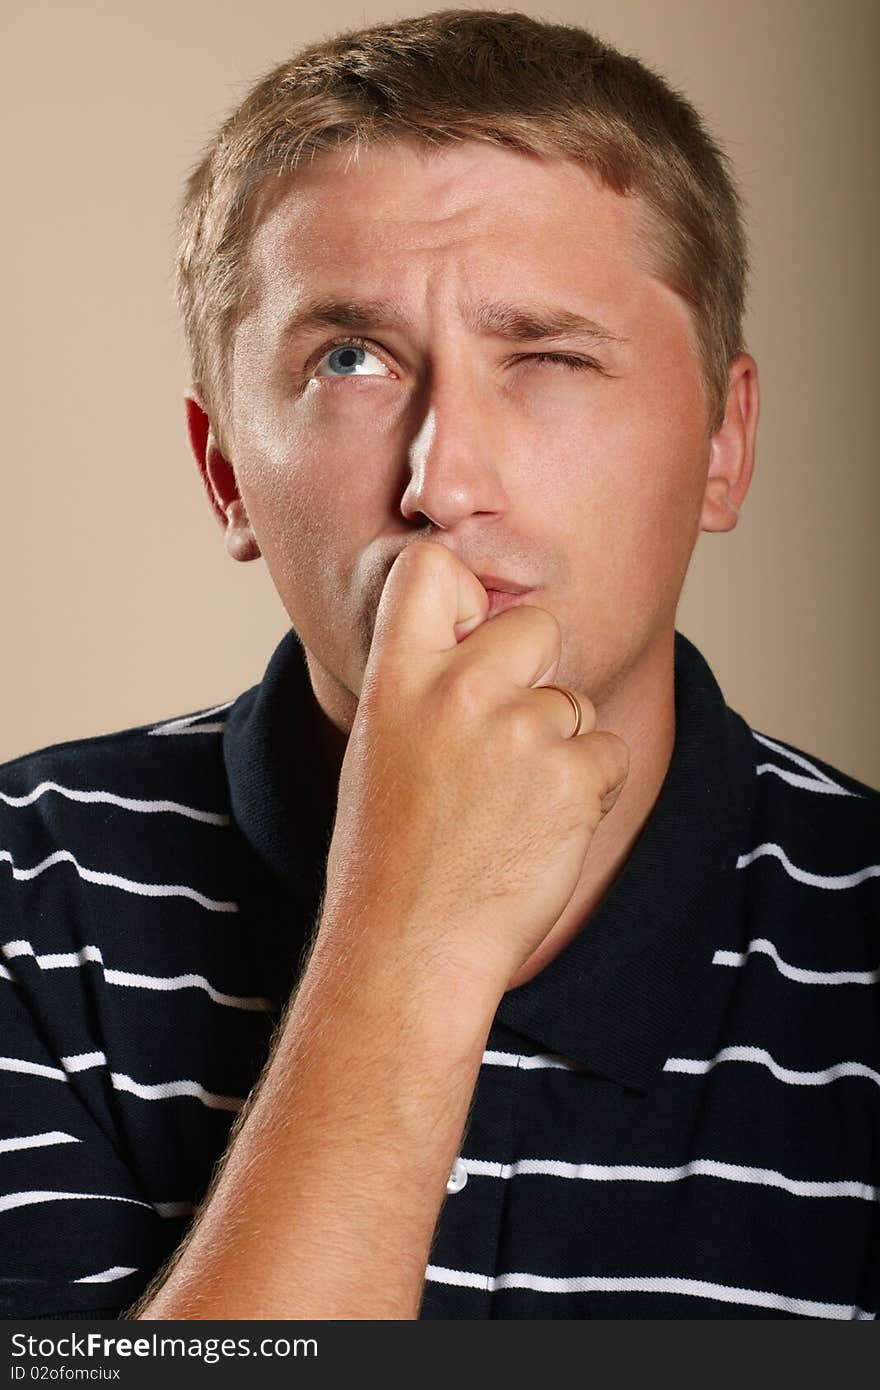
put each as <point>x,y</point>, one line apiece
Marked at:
<point>577,364</point>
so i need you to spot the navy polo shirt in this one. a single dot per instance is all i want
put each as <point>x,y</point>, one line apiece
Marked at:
<point>679,1117</point>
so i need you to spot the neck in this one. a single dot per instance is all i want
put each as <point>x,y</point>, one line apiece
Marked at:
<point>640,710</point>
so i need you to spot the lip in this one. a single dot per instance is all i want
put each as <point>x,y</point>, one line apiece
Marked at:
<point>502,599</point>
<point>502,586</point>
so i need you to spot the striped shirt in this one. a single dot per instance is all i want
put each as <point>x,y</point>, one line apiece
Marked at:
<point>679,1117</point>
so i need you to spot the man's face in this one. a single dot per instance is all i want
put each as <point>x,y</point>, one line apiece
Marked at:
<point>350,443</point>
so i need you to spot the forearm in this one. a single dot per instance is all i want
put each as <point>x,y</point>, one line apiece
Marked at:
<point>328,1196</point>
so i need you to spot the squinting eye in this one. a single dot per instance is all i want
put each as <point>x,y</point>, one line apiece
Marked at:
<point>575,364</point>
<point>349,359</point>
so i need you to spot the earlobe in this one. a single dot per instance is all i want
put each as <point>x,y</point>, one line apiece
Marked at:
<point>218,477</point>
<point>241,543</point>
<point>732,449</point>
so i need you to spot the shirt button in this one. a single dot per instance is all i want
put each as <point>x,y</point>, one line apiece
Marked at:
<point>458,1177</point>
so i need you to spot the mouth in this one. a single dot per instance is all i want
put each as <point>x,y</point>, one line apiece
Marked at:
<point>500,599</point>
<point>495,583</point>
<point>502,593</point>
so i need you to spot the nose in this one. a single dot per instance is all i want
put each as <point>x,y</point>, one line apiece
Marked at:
<point>454,458</point>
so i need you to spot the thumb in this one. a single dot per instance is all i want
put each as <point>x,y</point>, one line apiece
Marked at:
<point>431,600</point>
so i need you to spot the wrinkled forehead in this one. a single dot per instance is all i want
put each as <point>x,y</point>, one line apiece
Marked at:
<point>355,214</point>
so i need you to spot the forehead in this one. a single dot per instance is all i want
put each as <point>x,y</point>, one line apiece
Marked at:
<point>383,222</point>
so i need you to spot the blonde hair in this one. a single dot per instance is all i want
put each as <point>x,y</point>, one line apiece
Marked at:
<point>504,77</point>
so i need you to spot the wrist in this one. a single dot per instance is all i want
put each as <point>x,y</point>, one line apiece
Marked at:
<point>417,998</point>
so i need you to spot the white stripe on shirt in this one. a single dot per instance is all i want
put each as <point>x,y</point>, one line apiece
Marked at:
<point>762,946</point>
<point>803,875</point>
<point>193,729</point>
<point>107,1276</point>
<point>697,1066</point>
<point>84,1061</point>
<point>527,1061</point>
<point>60,960</point>
<point>127,803</point>
<point>815,774</point>
<point>159,1090</point>
<point>146,890</point>
<point>693,1288</point>
<point>25,1068</point>
<point>9,1201</point>
<point>698,1167</point>
<point>166,1090</point>
<point>37,1141</point>
<point>797,779</point>
<point>186,722</point>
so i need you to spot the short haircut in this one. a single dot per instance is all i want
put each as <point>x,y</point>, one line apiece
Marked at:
<point>503,77</point>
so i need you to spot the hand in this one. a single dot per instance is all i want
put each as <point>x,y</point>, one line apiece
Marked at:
<point>465,809</point>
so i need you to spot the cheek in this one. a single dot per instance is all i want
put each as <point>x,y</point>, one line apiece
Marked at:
<point>623,482</point>
<point>287,468</point>
<point>336,451</point>
<point>613,462</point>
<point>310,488</point>
<point>644,459</point>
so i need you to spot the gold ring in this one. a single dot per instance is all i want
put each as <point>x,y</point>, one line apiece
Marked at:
<point>575,704</point>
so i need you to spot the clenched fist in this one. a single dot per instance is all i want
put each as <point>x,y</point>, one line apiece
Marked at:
<point>465,807</point>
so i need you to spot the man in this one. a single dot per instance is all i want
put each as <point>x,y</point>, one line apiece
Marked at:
<point>571,974</point>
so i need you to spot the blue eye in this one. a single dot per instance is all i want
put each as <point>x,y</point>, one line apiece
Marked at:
<point>348,359</point>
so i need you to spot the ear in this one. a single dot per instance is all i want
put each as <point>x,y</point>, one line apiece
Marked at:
<point>732,448</point>
<point>218,476</point>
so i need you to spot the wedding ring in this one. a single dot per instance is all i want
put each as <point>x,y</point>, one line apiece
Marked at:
<point>575,704</point>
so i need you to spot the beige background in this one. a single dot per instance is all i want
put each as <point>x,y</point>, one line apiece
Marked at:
<point>120,606</point>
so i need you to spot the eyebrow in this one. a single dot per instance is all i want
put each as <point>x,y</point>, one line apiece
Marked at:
<point>523,322</point>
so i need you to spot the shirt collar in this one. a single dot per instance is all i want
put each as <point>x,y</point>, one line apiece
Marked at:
<point>280,795</point>
<point>611,998</point>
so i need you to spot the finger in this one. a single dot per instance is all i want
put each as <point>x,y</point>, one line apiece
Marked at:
<point>560,712</point>
<point>520,647</point>
<point>609,758</point>
<point>428,596</point>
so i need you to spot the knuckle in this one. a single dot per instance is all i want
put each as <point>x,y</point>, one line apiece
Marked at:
<point>463,690</point>
<point>519,728</point>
